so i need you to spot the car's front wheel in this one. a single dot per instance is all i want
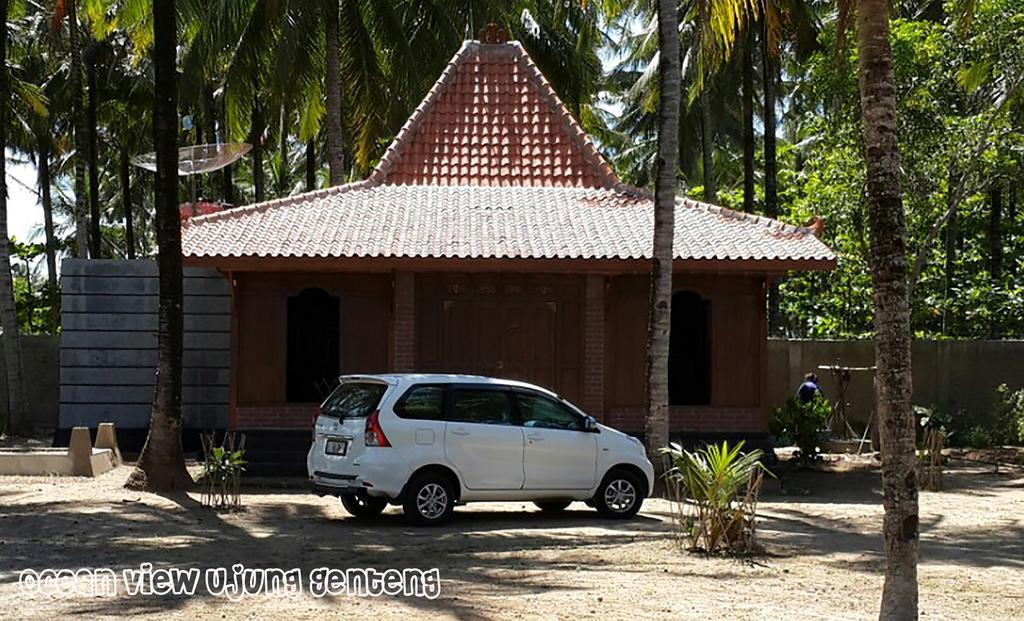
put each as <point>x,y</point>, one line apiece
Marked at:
<point>362,505</point>
<point>429,500</point>
<point>619,495</point>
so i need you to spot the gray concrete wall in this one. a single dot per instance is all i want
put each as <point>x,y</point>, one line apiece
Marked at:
<point>108,344</point>
<point>40,361</point>
<point>960,374</point>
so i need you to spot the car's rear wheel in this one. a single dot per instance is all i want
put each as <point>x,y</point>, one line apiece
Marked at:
<point>363,506</point>
<point>429,500</point>
<point>552,506</point>
<point>619,495</point>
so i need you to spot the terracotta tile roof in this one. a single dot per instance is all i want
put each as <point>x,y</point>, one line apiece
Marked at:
<point>493,119</point>
<point>391,221</point>
<point>491,164</point>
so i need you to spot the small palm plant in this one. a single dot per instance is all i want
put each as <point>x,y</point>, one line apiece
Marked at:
<point>222,471</point>
<point>714,492</point>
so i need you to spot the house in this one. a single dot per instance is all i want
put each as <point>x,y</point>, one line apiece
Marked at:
<point>493,238</point>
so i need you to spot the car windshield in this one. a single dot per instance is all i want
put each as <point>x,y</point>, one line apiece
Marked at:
<point>353,400</point>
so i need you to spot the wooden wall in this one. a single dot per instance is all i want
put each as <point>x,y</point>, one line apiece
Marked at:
<point>737,340</point>
<point>516,326</point>
<point>261,307</point>
<point>108,344</point>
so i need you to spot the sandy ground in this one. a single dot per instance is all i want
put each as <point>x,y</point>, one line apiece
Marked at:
<point>508,561</point>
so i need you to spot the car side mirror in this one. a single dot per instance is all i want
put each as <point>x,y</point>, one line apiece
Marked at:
<point>590,425</point>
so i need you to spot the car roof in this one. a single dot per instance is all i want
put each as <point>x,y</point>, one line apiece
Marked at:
<point>444,378</point>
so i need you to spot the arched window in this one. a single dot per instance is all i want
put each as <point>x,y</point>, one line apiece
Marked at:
<point>689,357</point>
<point>313,348</point>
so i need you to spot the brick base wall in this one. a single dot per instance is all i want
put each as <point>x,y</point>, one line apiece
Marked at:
<point>693,419</point>
<point>279,416</point>
<point>404,339</point>
<point>593,347</point>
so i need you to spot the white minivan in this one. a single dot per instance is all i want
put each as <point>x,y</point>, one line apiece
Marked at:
<point>428,442</point>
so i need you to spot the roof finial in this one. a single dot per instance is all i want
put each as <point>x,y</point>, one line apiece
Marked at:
<point>492,34</point>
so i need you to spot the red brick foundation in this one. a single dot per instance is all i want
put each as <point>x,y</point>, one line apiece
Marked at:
<point>593,347</point>
<point>694,419</point>
<point>280,416</point>
<point>403,355</point>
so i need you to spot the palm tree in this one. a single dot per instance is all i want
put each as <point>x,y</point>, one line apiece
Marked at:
<point>161,465</point>
<point>892,309</point>
<point>747,96</point>
<point>332,84</point>
<point>656,422</point>
<point>8,313</point>
<point>81,125</point>
<point>91,54</point>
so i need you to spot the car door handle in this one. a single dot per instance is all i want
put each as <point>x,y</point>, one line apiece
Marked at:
<point>534,437</point>
<point>459,431</point>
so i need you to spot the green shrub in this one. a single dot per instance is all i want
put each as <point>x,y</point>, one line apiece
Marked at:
<point>1008,413</point>
<point>804,425</point>
<point>722,484</point>
<point>976,437</point>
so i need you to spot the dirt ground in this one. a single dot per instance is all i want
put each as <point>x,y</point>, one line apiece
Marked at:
<point>508,561</point>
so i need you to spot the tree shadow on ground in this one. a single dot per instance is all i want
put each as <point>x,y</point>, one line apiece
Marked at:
<point>480,550</point>
<point>790,525</point>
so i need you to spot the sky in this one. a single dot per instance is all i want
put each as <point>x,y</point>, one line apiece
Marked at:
<point>24,214</point>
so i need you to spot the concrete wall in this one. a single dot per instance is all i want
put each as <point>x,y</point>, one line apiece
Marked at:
<point>40,360</point>
<point>960,374</point>
<point>108,344</point>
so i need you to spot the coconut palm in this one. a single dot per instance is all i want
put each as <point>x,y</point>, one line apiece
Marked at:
<point>8,313</point>
<point>161,465</point>
<point>892,307</point>
<point>67,10</point>
<point>656,422</point>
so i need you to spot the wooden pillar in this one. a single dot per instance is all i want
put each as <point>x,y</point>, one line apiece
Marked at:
<point>233,358</point>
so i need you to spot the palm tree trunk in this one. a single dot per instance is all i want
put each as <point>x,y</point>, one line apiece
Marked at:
<point>46,197</point>
<point>257,152</point>
<point>227,178</point>
<point>770,80</point>
<point>126,203</point>
<point>656,423</point>
<point>284,179</point>
<point>771,170</point>
<point>81,133</point>
<point>748,121</point>
<point>892,311</point>
<point>707,146</point>
<point>210,122</point>
<point>16,420</point>
<point>161,465</point>
<point>93,164</point>
<point>995,260</point>
<point>310,165</point>
<point>332,82</point>
<point>952,233</point>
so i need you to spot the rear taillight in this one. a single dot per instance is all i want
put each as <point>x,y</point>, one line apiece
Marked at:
<point>374,434</point>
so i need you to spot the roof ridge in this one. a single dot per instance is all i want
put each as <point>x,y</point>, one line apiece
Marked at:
<point>600,170</point>
<point>742,215</point>
<point>404,135</point>
<point>277,202</point>
<point>570,123</point>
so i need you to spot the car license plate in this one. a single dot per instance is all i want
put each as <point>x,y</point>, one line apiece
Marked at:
<point>336,446</point>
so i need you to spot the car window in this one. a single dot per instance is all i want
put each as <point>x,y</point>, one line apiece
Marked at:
<point>422,403</point>
<point>489,407</point>
<point>353,399</point>
<point>540,411</point>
